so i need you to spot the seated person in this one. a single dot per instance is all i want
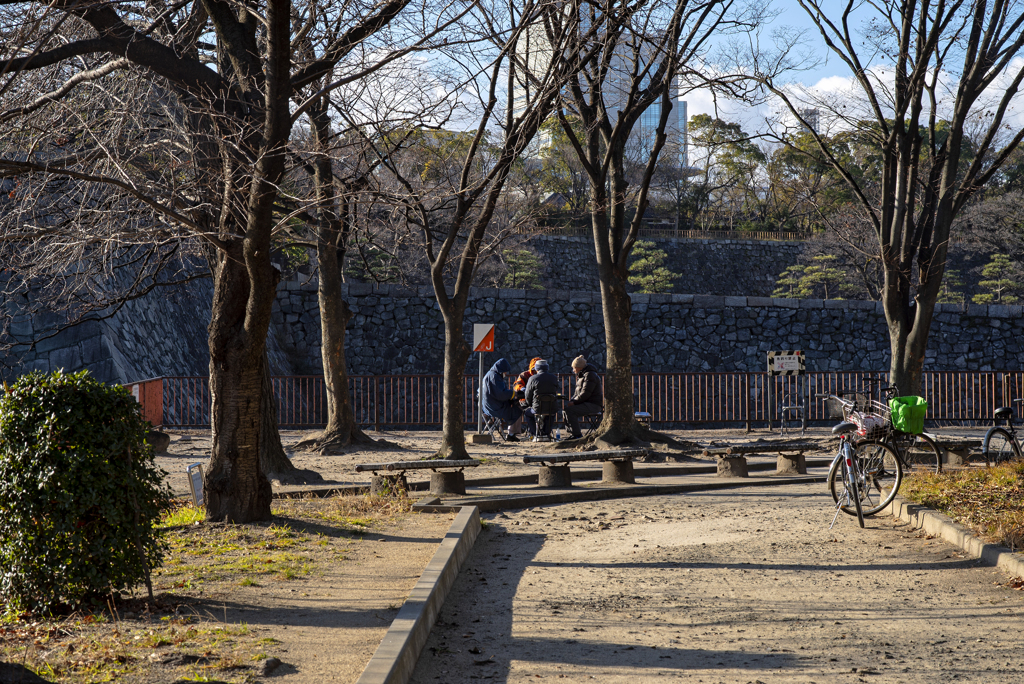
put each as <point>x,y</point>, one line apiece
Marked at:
<point>542,382</point>
<point>498,397</point>
<point>587,399</point>
<point>519,386</point>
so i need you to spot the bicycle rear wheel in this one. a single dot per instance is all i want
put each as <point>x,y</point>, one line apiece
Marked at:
<point>1000,446</point>
<point>881,475</point>
<point>920,454</point>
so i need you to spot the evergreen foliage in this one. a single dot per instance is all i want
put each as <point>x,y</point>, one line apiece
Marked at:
<point>647,270</point>
<point>79,492</point>
<point>1001,279</point>
<point>524,268</point>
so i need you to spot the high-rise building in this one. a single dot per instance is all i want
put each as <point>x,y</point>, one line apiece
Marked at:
<point>535,52</point>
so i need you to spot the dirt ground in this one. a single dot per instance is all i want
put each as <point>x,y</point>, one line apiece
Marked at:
<point>733,586</point>
<point>499,459</point>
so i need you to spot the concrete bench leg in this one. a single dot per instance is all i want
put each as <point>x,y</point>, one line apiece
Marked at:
<point>388,485</point>
<point>448,483</point>
<point>732,466</point>
<point>954,457</point>
<point>618,472</point>
<point>791,464</point>
<point>554,476</point>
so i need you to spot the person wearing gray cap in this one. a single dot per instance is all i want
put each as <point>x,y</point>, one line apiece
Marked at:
<point>541,394</point>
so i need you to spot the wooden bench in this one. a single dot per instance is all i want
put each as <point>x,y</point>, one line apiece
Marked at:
<point>956,451</point>
<point>446,476</point>
<point>732,461</point>
<point>617,466</point>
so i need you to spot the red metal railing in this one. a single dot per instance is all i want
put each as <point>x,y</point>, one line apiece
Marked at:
<point>411,401</point>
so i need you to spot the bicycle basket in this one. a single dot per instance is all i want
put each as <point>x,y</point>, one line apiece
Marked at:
<point>908,414</point>
<point>871,424</point>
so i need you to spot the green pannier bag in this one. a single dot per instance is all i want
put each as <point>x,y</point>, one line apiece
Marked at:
<point>908,414</point>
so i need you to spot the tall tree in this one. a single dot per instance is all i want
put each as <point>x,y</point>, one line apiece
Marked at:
<point>236,97</point>
<point>923,74</point>
<point>642,51</point>
<point>453,197</point>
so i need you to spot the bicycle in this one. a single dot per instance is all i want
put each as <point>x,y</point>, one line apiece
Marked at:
<point>847,462</point>
<point>878,467</point>
<point>918,452</point>
<point>1001,443</point>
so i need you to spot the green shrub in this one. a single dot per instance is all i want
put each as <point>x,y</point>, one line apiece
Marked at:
<point>79,492</point>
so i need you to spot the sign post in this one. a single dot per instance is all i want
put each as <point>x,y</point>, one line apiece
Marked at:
<point>787,363</point>
<point>483,341</point>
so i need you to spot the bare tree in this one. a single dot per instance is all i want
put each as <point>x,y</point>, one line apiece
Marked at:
<point>644,52</point>
<point>454,197</point>
<point>236,94</point>
<point>924,74</point>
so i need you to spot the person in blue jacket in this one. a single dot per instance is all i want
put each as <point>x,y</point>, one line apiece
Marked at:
<point>498,397</point>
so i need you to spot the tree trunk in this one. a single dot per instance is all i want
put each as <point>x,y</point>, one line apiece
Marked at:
<point>342,429</point>
<point>456,354</point>
<point>236,488</point>
<point>274,462</point>
<point>619,420</point>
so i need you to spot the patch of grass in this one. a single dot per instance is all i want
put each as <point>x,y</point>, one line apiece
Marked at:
<point>988,500</point>
<point>82,648</point>
<point>182,513</point>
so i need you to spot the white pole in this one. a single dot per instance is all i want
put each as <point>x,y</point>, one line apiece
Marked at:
<point>480,398</point>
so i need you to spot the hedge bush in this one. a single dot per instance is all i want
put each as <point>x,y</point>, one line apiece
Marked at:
<point>79,492</point>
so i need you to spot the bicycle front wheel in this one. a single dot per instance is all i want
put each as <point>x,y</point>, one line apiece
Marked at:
<point>881,475</point>
<point>921,454</point>
<point>844,489</point>
<point>1000,446</point>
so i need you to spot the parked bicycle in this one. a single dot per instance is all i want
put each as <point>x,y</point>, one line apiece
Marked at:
<point>878,467</point>
<point>1001,443</point>
<point>884,452</point>
<point>852,474</point>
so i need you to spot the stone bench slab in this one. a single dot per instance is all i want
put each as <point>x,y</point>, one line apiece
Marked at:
<point>602,455</point>
<point>434,464</point>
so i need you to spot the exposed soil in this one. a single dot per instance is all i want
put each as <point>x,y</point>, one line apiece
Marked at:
<point>304,598</point>
<point>735,586</point>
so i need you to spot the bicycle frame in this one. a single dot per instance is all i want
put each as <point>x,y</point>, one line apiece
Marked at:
<point>852,477</point>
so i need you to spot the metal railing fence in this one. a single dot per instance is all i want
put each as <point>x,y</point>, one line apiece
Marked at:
<point>659,233</point>
<point>749,399</point>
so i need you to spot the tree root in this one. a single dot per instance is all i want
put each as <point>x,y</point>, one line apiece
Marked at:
<point>639,436</point>
<point>342,441</point>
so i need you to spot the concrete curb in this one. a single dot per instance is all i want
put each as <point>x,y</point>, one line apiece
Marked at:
<point>943,526</point>
<point>394,660</point>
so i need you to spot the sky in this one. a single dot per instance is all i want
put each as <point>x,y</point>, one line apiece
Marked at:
<point>828,74</point>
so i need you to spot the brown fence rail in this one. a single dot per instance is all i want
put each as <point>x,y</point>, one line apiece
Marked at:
<point>751,399</point>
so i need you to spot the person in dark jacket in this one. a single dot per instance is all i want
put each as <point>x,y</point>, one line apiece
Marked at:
<point>541,382</point>
<point>587,399</point>
<point>498,396</point>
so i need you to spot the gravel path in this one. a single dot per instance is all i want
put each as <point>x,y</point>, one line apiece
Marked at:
<point>745,586</point>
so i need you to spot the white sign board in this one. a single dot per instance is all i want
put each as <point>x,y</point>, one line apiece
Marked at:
<point>786,363</point>
<point>483,337</point>
<point>195,483</point>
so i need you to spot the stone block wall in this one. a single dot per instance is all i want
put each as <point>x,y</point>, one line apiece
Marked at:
<point>398,330</point>
<point>722,267</point>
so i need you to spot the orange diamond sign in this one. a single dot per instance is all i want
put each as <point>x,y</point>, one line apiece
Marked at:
<point>483,337</point>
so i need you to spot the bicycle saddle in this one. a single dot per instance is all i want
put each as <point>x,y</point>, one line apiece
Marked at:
<point>844,428</point>
<point>1004,413</point>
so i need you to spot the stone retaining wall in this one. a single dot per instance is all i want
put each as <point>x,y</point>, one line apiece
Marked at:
<point>396,330</point>
<point>725,267</point>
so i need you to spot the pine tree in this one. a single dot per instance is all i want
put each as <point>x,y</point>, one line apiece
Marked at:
<point>1002,279</point>
<point>647,270</point>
